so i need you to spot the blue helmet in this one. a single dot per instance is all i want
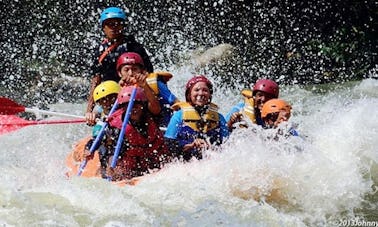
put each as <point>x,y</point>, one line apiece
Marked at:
<point>112,12</point>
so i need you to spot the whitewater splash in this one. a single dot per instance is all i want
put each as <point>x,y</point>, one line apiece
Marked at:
<point>328,175</point>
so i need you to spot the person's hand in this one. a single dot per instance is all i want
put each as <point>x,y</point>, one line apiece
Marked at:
<point>201,144</point>
<point>140,79</point>
<point>90,118</point>
<point>235,117</point>
<point>87,154</point>
<point>110,172</point>
<point>137,78</point>
<point>124,81</point>
<point>197,144</point>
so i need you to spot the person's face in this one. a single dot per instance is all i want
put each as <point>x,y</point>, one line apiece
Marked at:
<point>107,102</point>
<point>128,73</point>
<point>130,70</point>
<point>137,111</point>
<point>200,94</point>
<point>260,98</point>
<point>272,120</point>
<point>112,28</point>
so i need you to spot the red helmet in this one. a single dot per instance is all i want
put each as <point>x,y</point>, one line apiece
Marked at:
<point>266,85</point>
<point>129,58</point>
<point>125,94</point>
<point>193,81</point>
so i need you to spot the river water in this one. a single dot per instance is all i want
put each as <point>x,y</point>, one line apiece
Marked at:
<point>325,178</point>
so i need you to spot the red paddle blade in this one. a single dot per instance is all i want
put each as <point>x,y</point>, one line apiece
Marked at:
<point>10,107</point>
<point>10,123</point>
<point>7,123</point>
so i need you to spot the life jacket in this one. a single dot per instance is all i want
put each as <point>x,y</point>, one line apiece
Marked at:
<point>249,106</point>
<point>190,117</point>
<point>166,111</point>
<point>138,145</point>
<point>108,49</point>
<point>194,126</point>
<point>152,80</point>
<point>142,152</point>
<point>115,119</point>
<point>105,58</point>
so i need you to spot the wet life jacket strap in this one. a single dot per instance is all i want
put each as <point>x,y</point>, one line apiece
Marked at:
<point>107,51</point>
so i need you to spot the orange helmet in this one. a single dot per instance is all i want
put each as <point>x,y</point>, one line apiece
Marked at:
<point>274,106</point>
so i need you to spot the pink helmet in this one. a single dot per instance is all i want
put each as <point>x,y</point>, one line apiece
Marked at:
<point>266,85</point>
<point>193,81</point>
<point>129,58</point>
<point>125,94</point>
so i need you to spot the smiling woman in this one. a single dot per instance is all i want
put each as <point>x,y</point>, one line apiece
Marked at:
<point>196,124</point>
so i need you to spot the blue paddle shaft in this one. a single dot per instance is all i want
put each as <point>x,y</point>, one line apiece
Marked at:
<point>123,129</point>
<point>97,140</point>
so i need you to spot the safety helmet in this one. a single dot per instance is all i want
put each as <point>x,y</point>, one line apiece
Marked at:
<point>266,85</point>
<point>193,81</point>
<point>129,58</point>
<point>105,88</point>
<point>112,12</point>
<point>274,106</point>
<point>125,94</point>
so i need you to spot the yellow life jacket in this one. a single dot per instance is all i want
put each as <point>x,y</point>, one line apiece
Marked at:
<point>209,121</point>
<point>152,80</point>
<point>249,107</point>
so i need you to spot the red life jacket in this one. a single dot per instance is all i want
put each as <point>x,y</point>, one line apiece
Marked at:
<point>143,153</point>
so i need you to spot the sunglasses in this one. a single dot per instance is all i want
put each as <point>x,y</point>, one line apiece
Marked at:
<point>113,23</point>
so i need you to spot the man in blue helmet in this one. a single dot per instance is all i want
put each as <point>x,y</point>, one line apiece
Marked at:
<point>105,58</point>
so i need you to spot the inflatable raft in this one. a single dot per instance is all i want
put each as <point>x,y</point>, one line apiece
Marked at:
<point>93,167</point>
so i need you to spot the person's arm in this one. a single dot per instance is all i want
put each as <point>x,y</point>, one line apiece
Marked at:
<point>237,108</point>
<point>89,115</point>
<point>166,94</point>
<point>140,80</point>
<point>234,115</point>
<point>153,102</point>
<point>225,132</point>
<point>170,136</point>
<point>173,125</point>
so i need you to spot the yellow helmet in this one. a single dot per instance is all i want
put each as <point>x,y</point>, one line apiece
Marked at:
<point>105,88</point>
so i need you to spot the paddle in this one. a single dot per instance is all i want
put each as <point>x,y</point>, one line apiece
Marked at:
<point>123,129</point>
<point>9,123</point>
<point>10,107</point>
<point>99,137</point>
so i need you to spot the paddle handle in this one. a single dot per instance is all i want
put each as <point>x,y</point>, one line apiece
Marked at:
<point>31,110</point>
